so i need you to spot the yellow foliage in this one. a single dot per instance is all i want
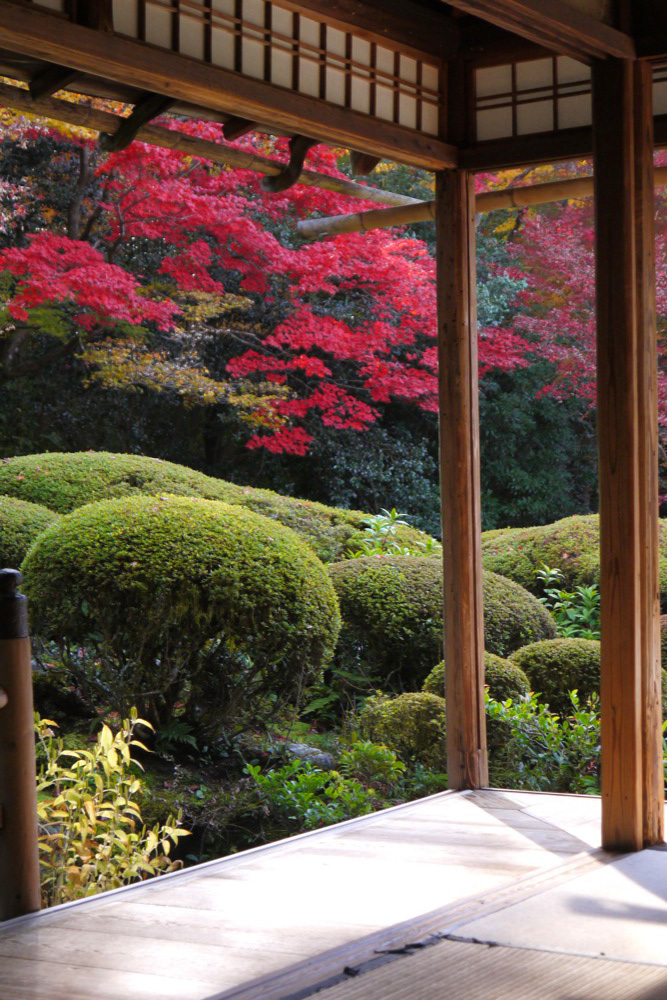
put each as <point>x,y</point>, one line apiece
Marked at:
<point>91,835</point>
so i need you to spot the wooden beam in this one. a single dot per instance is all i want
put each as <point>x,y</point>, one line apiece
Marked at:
<point>543,147</point>
<point>32,32</point>
<point>555,25</point>
<point>155,135</point>
<point>235,128</point>
<point>653,813</point>
<point>626,409</point>
<point>50,80</point>
<point>467,765</point>
<point>415,30</point>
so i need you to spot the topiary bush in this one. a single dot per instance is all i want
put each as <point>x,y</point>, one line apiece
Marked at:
<point>413,725</point>
<point>65,481</point>
<point>392,612</point>
<point>174,598</point>
<point>502,677</point>
<point>20,524</point>
<point>557,666</point>
<point>571,546</point>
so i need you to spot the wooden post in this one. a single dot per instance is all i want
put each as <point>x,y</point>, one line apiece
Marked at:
<point>653,810</point>
<point>19,865</point>
<point>467,765</point>
<point>632,794</point>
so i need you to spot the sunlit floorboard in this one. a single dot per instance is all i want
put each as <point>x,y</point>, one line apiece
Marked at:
<point>278,920</point>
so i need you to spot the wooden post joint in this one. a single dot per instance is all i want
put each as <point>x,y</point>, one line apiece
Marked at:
<point>149,107</point>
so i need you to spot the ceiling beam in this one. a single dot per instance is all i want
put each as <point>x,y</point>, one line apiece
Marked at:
<point>32,32</point>
<point>413,29</point>
<point>555,25</point>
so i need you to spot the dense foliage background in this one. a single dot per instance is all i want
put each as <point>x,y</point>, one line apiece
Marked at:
<point>158,304</point>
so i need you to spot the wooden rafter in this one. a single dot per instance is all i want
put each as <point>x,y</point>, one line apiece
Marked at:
<point>31,32</point>
<point>555,25</point>
<point>156,135</point>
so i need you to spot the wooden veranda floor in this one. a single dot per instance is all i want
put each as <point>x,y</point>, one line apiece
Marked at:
<point>516,869</point>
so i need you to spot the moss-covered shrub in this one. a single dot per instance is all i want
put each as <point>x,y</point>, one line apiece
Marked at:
<point>20,524</point>
<point>174,597</point>
<point>66,481</point>
<point>571,545</point>
<point>557,666</point>
<point>413,725</point>
<point>503,678</point>
<point>392,612</point>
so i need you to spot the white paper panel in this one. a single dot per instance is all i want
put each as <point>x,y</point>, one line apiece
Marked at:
<point>494,80</point>
<point>225,6</point>
<point>252,58</point>
<point>407,111</point>
<point>158,26</point>
<point>335,86</point>
<point>537,117</point>
<point>384,103</point>
<point>309,77</point>
<point>125,17</point>
<point>361,96</point>
<point>222,48</point>
<point>537,73</point>
<point>660,98</point>
<point>282,20</point>
<point>384,60</point>
<point>281,68</point>
<point>430,77</point>
<point>573,112</point>
<point>191,37</point>
<point>253,12</point>
<point>336,41</point>
<point>430,119</point>
<point>495,124</point>
<point>571,71</point>
<point>309,32</point>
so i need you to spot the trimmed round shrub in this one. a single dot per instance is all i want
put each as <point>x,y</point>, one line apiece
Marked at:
<point>503,678</point>
<point>571,545</point>
<point>392,612</point>
<point>20,524</point>
<point>557,666</point>
<point>413,725</point>
<point>65,481</point>
<point>174,598</point>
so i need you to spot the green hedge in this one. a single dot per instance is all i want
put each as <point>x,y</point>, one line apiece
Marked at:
<point>184,598</point>
<point>502,677</point>
<point>65,481</point>
<point>557,666</point>
<point>20,524</point>
<point>413,725</point>
<point>571,545</point>
<point>391,608</point>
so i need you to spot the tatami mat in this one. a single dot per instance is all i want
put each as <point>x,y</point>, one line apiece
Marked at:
<point>453,970</point>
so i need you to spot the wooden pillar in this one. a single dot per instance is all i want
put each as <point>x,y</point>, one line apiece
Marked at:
<point>467,765</point>
<point>632,786</point>
<point>19,864</point>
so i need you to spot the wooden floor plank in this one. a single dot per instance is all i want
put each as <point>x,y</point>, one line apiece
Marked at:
<point>257,915</point>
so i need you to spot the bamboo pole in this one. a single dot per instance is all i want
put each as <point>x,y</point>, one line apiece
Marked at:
<point>536,194</point>
<point>84,116</point>
<point>19,865</point>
